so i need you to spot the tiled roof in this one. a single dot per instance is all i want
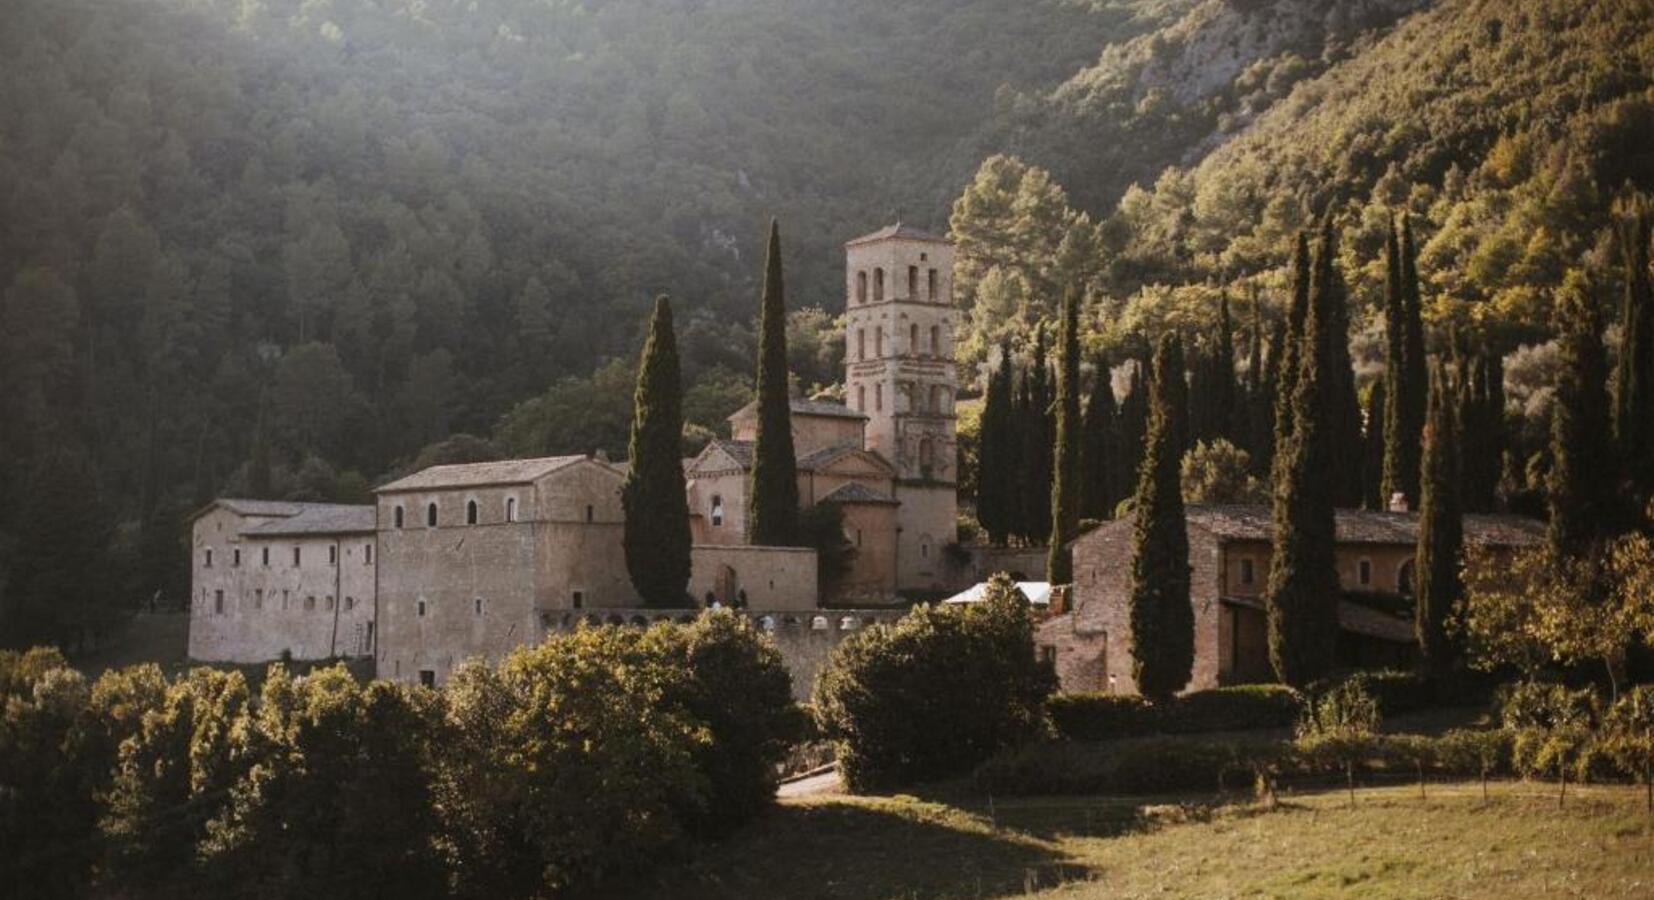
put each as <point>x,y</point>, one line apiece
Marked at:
<point>816,460</point>
<point>856,492</point>
<point>272,508</point>
<point>898,230</point>
<point>823,408</point>
<point>1354,618</point>
<point>506,471</point>
<point>1361,526</point>
<point>319,518</point>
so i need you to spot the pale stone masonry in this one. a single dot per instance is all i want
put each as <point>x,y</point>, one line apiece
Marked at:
<point>470,561</point>
<point>1229,552</point>
<point>273,579</point>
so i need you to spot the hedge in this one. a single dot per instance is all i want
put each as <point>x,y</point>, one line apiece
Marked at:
<point>1099,717</point>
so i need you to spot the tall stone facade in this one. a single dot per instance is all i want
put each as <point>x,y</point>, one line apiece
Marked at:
<point>899,372</point>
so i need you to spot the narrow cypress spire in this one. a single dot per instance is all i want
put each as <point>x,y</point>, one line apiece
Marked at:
<point>1065,480</point>
<point>773,517</point>
<point>1441,532</point>
<point>1581,490</point>
<point>998,453</point>
<point>657,538</point>
<point>1162,617</point>
<point>1404,420</point>
<point>1342,407</point>
<point>1372,459</point>
<point>1038,452</point>
<point>1302,599</point>
<point>1289,350</point>
<point>1634,397</point>
<point>1097,459</point>
<point>1130,434</point>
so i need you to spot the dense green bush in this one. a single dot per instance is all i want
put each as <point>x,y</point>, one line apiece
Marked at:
<point>1145,766</point>
<point>1394,691</point>
<point>1097,717</point>
<point>568,762</point>
<point>934,693</point>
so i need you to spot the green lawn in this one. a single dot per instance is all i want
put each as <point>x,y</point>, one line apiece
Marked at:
<point>1392,844</point>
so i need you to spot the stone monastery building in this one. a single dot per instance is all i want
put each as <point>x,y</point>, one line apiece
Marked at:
<point>471,560</point>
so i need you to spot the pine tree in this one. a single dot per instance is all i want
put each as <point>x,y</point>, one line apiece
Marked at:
<point>1581,489</point>
<point>1441,532</point>
<point>1372,459</point>
<point>1404,414</point>
<point>1302,600</point>
<point>1065,480</point>
<point>773,516</point>
<point>1634,398</point>
<point>996,460</point>
<point>1162,616</point>
<point>1132,431</point>
<point>657,538</point>
<point>1343,408</point>
<point>1098,499</point>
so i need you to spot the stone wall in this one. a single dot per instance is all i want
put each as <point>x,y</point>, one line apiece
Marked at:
<point>780,578</point>
<point>253,603</point>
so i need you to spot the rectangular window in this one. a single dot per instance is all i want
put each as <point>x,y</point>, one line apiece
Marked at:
<point>218,602</point>
<point>266,554</point>
<point>235,558</point>
<point>296,556</point>
<point>258,598</point>
<point>1365,570</point>
<point>861,398</point>
<point>878,398</point>
<point>310,603</point>
<point>367,554</point>
<point>1246,571</point>
<point>208,563</point>
<point>333,555</point>
<point>421,607</point>
<point>931,293</point>
<point>861,343</point>
<point>912,282</point>
<point>427,678</point>
<point>579,599</point>
<point>478,606</point>
<point>878,342</point>
<point>284,601</point>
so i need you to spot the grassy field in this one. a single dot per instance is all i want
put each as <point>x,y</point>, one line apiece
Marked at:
<point>1392,844</point>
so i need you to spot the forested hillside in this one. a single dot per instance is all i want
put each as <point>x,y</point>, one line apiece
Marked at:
<point>323,234</point>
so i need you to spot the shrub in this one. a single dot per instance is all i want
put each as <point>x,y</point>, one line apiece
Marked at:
<point>1148,766</point>
<point>1479,753</point>
<point>1628,738</point>
<point>1096,717</point>
<point>1551,728</point>
<point>1395,692</point>
<point>738,686</point>
<point>934,693</point>
<point>1338,730</point>
<point>1239,708</point>
<point>1101,717</point>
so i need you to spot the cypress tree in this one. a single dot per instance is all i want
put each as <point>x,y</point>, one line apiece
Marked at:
<point>1227,413</point>
<point>1162,616</point>
<point>1098,499</point>
<point>773,499</point>
<point>1302,600</point>
<point>1393,479</point>
<point>1481,432</point>
<point>1133,428</point>
<point>1065,479</point>
<point>1266,425</point>
<point>1343,407</point>
<point>1024,479</point>
<point>1581,489</point>
<point>1372,458</point>
<point>996,460</point>
<point>1634,397</point>
<point>1288,351</point>
<point>1252,429</point>
<point>1202,418</point>
<point>1037,449</point>
<point>1441,533</point>
<point>657,537</point>
<point>1404,416</point>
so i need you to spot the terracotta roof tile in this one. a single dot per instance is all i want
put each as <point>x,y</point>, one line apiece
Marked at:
<point>506,471</point>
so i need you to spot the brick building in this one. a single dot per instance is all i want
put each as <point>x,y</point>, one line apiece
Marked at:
<point>1229,549</point>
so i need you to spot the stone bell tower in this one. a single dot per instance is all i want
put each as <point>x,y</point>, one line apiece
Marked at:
<point>899,372</point>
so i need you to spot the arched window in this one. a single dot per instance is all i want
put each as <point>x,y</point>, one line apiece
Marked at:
<point>878,285</point>
<point>913,340</point>
<point>878,342</point>
<point>912,282</point>
<point>470,512</point>
<point>861,343</point>
<point>861,398</point>
<point>878,398</point>
<point>430,515</point>
<point>511,509</point>
<point>861,287</point>
<point>396,519</point>
<point>935,340</point>
<point>717,511</point>
<point>931,292</point>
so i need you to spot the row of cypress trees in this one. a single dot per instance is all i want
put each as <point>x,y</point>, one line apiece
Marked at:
<point>657,536</point>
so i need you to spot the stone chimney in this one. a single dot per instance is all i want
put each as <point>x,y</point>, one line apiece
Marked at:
<point>1398,502</point>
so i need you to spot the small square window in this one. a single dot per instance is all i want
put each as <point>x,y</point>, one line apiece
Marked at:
<point>427,678</point>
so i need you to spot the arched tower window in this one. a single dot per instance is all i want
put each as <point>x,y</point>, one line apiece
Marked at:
<point>878,285</point>
<point>861,287</point>
<point>511,509</point>
<point>470,512</point>
<point>430,515</point>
